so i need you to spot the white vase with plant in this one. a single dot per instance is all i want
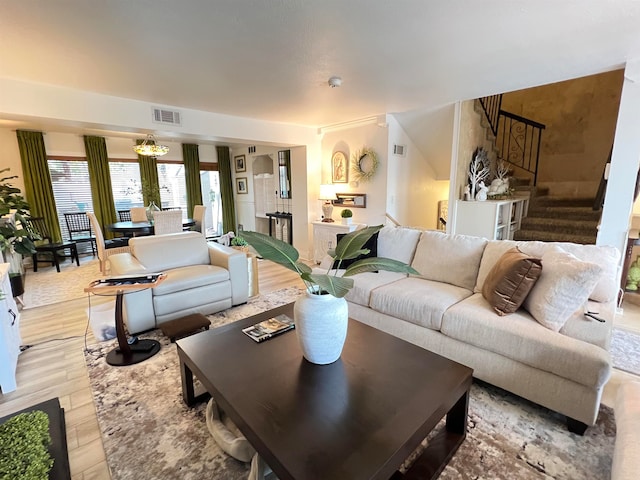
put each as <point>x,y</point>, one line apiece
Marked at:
<point>321,315</point>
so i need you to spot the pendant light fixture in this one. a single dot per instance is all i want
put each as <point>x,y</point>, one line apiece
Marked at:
<point>149,148</point>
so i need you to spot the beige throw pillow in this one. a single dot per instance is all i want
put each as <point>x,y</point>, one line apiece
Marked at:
<point>563,287</point>
<point>510,281</point>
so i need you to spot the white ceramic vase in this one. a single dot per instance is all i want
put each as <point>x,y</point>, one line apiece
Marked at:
<point>321,326</point>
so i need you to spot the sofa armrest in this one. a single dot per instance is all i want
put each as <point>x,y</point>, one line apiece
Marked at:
<point>126,264</point>
<point>235,262</point>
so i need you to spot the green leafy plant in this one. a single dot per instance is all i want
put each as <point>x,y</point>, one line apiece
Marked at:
<point>349,247</point>
<point>346,213</point>
<point>238,241</point>
<point>24,442</point>
<point>13,234</point>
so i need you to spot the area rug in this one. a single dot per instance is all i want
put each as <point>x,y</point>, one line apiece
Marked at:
<point>625,350</point>
<point>47,286</point>
<point>148,433</point>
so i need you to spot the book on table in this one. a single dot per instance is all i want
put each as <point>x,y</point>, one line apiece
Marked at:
<point>269,328</point>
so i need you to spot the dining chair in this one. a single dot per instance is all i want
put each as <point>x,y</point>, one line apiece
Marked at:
<point>124,215</point>
<point>106,248</point>
<point>79,229</point>
<point>167,221</point>
<point>138,214</point>
<point>198,215</point>
<point>39,233</point>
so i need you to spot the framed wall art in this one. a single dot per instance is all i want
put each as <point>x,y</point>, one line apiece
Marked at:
<point>339,168</point>
<point>241,164</point>
<point>241,185</point>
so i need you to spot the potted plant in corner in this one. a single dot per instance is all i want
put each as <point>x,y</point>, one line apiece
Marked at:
<point>321,315</point>
<point>15,240</point>
<point>239,243</point>
<point>346,215</point>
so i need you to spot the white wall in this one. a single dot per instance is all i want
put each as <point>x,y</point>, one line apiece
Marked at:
<point>413,191</point>
<point>625,162</point>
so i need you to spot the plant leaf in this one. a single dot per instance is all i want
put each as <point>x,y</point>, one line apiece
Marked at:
<point>275,250</point>
<point>354,241</point>
<point>336,286</point>
<point>379,263</point>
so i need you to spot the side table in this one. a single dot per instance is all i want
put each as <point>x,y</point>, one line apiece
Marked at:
<point>126,354</point>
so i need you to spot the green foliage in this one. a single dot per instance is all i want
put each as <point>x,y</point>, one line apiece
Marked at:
<point>346,213</point>
<point>238,242</point>
<point>349,247</point>
<point>13,235</point>
<point>24,442</point>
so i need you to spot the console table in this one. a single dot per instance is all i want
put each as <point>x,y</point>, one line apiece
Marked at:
<point>286,217</point>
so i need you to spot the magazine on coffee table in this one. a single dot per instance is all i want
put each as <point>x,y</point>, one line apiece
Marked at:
<point>269,328</point>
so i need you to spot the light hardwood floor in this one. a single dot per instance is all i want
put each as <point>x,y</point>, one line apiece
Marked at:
<point>56,368</point>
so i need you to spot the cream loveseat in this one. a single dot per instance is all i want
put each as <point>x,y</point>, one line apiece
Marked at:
<point>444,311</point>
<point>201,278</point>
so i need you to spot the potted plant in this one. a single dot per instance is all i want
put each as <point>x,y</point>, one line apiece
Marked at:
<point>346,215</point>
<point>321,315</point>
<point>239,243</point>
<point>15,239</point>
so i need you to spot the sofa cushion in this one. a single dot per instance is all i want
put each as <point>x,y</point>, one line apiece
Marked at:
<point>364,283</point>
<point>164,252</point>
<point>590,330</point>
<point>453,259</point>
<point>563,287</point>
<point>186,278</point>
<point>520,338</point>
<point>371,245</point>
<point>605,290</point>
<point>398,243</point>
<point>418,301</point>
<point>510,281</point>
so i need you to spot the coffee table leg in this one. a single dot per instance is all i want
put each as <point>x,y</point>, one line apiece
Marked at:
<point>443,445</point>
<point>188,394</point>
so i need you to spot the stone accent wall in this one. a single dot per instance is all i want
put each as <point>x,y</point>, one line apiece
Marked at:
<point>580,116</point>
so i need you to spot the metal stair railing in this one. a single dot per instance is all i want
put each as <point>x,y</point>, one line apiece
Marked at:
<point>492,107</point>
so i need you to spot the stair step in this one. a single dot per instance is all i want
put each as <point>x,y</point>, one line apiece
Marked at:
<point>574,213</point>
<point>565,225</point>
<point>562,202</point>
<point>554,237</point>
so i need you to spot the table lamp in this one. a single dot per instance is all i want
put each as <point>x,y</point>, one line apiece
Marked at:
<point>327,194</point>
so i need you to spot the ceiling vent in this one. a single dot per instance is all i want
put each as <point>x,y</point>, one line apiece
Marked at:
<point>252,149</point>
<point>166,117</point>
<point>400,150</point>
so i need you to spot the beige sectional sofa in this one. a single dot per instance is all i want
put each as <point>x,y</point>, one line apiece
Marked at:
<point>443,310</point>
<point>201,278</point>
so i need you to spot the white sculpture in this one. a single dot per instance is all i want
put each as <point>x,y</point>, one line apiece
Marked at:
<point>467,193</point>
<point>481,196</point>
<point>479,170</point>
<point>499,186</point>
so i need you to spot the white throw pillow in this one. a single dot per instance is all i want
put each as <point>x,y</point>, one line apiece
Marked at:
<point>563,287</point>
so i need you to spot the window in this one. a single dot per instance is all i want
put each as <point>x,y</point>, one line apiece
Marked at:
<point>71,188</point>
<point>173,189</point>
<point>125,184</point>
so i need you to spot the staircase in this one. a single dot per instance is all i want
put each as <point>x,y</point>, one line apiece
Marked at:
<point>559,220</point>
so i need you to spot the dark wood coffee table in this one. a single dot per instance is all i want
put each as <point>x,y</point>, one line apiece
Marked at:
<point>358,418</point>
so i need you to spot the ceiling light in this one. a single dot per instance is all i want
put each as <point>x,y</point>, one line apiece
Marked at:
<point>335,82</point>
<point>149,148</point>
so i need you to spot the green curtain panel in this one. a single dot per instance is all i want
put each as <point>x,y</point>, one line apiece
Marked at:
<point>226,190</point>
<point>149,178</point>
<point>37,181</point>
<point>191,160</point>
<point>100,178</point>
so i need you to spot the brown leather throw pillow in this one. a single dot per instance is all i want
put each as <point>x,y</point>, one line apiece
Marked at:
<point>510,281</point>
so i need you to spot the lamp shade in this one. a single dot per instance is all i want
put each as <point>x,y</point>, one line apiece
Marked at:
<point>327,192</point>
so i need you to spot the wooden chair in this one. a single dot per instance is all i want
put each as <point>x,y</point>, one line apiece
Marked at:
<point>198,215</point>
<point>79,229</point>
<point>106,248</point>
<point>167,221</point>
<point>138,214</point>
<point>124,215</point>
<point>38,230</point>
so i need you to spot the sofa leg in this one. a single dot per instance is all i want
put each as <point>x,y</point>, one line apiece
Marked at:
<point>576,426</point>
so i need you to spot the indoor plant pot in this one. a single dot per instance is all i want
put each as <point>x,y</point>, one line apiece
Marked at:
<point>321,315</point>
